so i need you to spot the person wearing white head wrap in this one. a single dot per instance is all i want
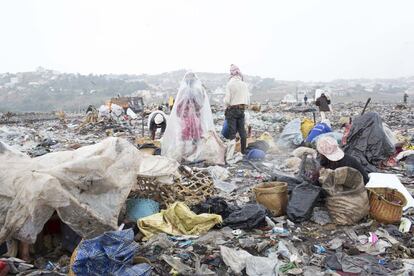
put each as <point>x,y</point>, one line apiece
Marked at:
<point>157,119</point>
<point>237,99</point>
<point>190,120</point>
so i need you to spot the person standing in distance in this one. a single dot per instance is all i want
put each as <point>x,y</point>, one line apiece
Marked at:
<point>323,103</point>
<point>237,99</point>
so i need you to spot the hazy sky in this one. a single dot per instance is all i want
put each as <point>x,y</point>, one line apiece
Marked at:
<point>291,40</point>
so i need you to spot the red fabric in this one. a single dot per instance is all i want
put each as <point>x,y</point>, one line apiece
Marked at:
<point>2,265</point>
<point>189,113</point>
<point>191,128</point>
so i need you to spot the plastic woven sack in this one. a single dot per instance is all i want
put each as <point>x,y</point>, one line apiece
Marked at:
<point>347,199</point>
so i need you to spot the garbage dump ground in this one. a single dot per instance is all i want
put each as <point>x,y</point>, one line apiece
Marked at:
<point>91,197</point>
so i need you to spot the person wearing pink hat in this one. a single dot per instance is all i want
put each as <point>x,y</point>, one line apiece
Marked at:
<point>333,157</point>
<point>237,99</point>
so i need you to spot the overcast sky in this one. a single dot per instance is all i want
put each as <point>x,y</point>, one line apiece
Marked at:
<point>290,40</point>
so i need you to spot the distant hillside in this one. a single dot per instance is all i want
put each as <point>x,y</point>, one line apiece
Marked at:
<point>47,90</point>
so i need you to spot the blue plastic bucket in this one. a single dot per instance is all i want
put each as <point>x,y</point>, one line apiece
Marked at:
<point>137,208</point>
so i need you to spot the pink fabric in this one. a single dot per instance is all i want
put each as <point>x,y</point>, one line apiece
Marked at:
<point>235,71</point>
<point>191,128</point>
<point>189,113</point>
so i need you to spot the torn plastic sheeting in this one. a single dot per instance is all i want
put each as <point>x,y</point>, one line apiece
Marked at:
<point>367,141</point>
<point>224,186</point>
<point>235,259</point>
<point>287,250</point>
<point>375,249</point>
<point>158,166</point>
<point>218,172</point>
<point>210,149</point>
<point>178,219</point>
<point>87,187</point>
<point>383,180</point>
<point>109,254</point>
<point>262,266</point>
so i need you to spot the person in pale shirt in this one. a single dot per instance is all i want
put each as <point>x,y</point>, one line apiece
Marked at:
<point>237,99</point>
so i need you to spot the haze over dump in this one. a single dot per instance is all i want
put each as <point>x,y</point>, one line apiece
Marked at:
<point>286,40</point>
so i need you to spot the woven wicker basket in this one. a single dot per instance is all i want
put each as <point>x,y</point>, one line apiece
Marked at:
<point>192,190</point>
<point>386,205</point>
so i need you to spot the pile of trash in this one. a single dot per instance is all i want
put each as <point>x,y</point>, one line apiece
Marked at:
<point>91,199</point>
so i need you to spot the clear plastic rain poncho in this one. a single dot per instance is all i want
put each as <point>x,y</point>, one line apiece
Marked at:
<point>190,120</point>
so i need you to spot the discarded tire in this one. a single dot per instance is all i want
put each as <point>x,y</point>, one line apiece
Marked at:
<point>386,205</point>
<point>272,195</point>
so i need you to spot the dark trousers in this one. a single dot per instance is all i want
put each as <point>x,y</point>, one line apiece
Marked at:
<point>153,128</point>
<point>235,121</point>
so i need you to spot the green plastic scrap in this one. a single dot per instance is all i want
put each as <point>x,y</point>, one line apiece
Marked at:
<point>286,267</point>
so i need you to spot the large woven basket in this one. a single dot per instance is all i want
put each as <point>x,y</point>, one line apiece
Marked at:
<point>273,195</point>
<point>386,205</point>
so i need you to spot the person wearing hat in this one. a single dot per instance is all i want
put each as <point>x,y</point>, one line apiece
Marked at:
<point>237,99</point>
<point>156,120</point>
<point>332,157</point>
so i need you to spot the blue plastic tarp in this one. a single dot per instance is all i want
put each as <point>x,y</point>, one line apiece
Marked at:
<point>109,254</point>
<point>317,130</point>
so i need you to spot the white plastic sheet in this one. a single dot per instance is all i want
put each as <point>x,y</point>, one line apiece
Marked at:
<point>190,121</point>
<point>86,187</point>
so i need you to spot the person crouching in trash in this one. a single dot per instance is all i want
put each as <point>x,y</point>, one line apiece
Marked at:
<point>332,157</point>
<point>237,99</point>
<point>157,120</point>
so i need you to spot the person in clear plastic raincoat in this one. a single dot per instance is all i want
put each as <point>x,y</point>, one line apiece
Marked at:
<point>190,120</point>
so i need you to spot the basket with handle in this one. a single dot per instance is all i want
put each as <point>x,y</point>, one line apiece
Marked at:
<point>386,205</point>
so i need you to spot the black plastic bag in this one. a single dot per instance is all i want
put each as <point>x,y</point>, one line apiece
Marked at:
<point>302,201</point>
<point>309,169</point>
<point>214,205</point>
<point>249,217</point>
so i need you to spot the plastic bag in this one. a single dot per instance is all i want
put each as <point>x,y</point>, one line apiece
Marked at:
<point>109,254</point>
<point>306,126</point>
<point>291,135</point>
<point>178,219</point>
<point>215,205</point>
<point>249,217</point>
<point>302,202</point>
<point>309,169</point>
